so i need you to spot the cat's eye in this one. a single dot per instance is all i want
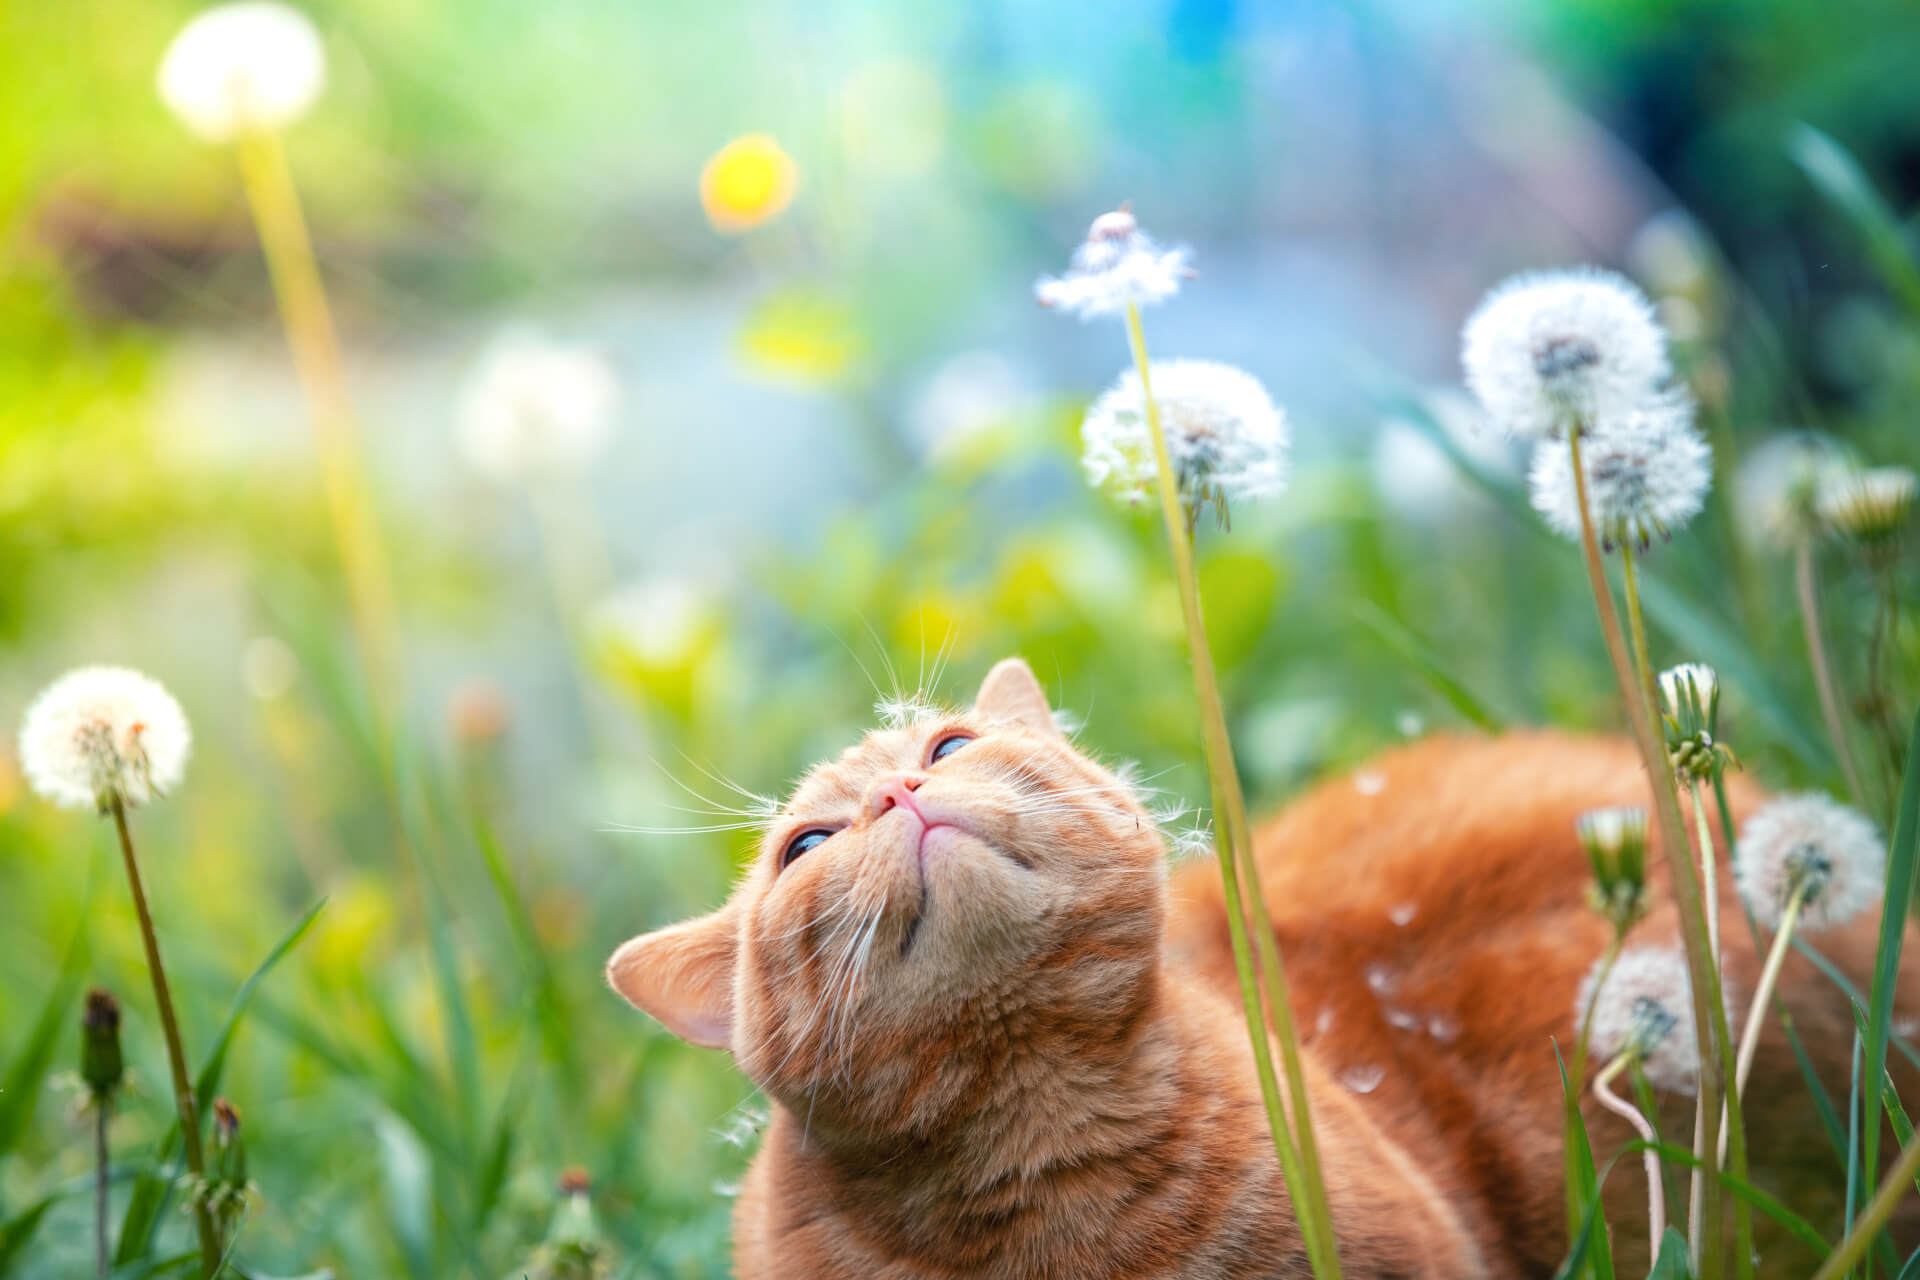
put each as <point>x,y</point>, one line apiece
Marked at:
<point>806,842</point>
<point>947,746</point>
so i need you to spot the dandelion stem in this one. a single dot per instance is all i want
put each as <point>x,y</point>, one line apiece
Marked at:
<point>1656,1189</point>
<point>1637,629</point>
<point>1878,1210</point>
<point>1674,847</point>
<point>1769,978</point>
<point>316,354</point>
<point>1803,577</point>
<point>102,1112</point>
<point>1593,1002</point>
<point>170,1028</point>
<point>1309,1195</point>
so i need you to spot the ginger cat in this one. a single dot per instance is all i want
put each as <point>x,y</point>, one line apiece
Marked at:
<point>1001,1039</point>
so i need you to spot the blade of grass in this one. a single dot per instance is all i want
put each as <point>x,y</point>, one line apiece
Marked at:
<point>16,1232</point>
<point>1886,965</point>
<point>1837,176</point>
<point>151,1190</point>
<point>20,1089</point>
<point>1583,1184</point>
<point>1672,1262</point>
<point>1417,654</point>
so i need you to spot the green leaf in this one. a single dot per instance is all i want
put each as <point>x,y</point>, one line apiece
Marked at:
<point>1583,1190</point>
<point>1886,964</point>
<point>1798,1227</point>
<point>1672,1262</point>
<point>20,1089</point>
<point>18,1230</point>
<point>152,1190</point>
<point>1836,175</point>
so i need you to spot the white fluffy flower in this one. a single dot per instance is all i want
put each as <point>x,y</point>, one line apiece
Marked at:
<point>1118,264</point>
<point>534,408</point>
<point>1646,1008</point>
<point>1775,488</point>
<point>1226,439</point>
<point>1812,843</point>
<point>1549,350</point>
<point>1648,472</point>
<point>1869,506</point>
<point>98,732</point>
<point>243,68</point>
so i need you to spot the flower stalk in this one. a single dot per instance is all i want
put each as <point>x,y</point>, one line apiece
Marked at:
<point>103,1070</point>
<point>308,320</point>
<point>1299,1164</point>
<point>1805,589</point>
<point>1709,1015</point>
<point>183,1095</point>
<point>1656,1191</point>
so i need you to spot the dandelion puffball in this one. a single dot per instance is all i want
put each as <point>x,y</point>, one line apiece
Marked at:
<point>1226,439</point>
<point>1645,1008</point>
<point>535,408</point>
<point>1774,490</point>
<point>101,732</point>
<point>1647,470</point>
<point>235,69</point>
<point>1117,265</point>
<point>1815,845</point>
<point>1556,349</point>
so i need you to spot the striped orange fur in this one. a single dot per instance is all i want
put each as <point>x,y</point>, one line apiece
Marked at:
<point>1000,1040</point>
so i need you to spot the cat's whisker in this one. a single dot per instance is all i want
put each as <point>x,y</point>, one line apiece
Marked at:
<point>757,802</point>
<point>621,828</point>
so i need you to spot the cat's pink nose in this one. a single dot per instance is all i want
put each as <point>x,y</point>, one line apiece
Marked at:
<point>896,788</point>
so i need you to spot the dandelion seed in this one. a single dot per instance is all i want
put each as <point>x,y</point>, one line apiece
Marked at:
<point>1443,1028</point>
<point>1776,486</point>
<point>1402,1020</point>
<point>1648,472</point>
<point>1192,844</point>
<point>98,733</point>
<point>1323,1022</point>
<point>533,409</point>
<point>1402,913</point>
<point>1370,782</point>
<point>1646,1009</point>
<point>1812,845</point>
<point>1226,439</point>
<point>1869,507</point>
<point>1119,264</point>
<point>236,69</point>
<point>1551,351</point>
<point>749,181</point>
<point>1380,978</point>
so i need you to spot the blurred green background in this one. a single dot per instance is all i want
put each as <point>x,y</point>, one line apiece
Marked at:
<point>846,455</point>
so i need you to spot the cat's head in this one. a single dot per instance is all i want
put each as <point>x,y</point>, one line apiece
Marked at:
<point>945,899</point>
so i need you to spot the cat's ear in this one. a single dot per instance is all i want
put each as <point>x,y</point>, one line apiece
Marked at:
<point>683,975</point>
<point>1011,692</point>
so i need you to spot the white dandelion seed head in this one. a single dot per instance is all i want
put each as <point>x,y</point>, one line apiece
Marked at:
<point>1646,1009</point>
<point>1192,843</point>
<point>1118,264</point>
<point>1226,439</point>
<point>235,69</point>
<point>1813,844</point>
<point>1869,505</point>
<point>1648,472</point>
<point>1547,350</point>
<point>1675,681</point>
<point>100,732</point>
<point>533,408</point>
<point>1775,487</point>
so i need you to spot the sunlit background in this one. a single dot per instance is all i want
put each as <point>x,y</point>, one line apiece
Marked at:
<point>796,243</point>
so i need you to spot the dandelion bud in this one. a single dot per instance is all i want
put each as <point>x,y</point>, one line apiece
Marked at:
<point>101,1065</point>
<point>225,1190</point>
<point>573,1249</point>
<point>1615,842</point>
<point>236,69</point>
<point>477,713</point>
<point>1225,437</point>
<point>1559,351</point>
<point>98,735</point>
<point>1868,507</point>
<point>1811,846</point>
<point>1642,1010</point>
<point>1118,265</point>
<point>1691,692</point>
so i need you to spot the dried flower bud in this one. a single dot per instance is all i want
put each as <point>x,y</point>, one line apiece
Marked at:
<point>101,1064</point>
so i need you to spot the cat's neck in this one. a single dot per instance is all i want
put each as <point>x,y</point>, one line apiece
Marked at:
<point>1077,1146</point>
